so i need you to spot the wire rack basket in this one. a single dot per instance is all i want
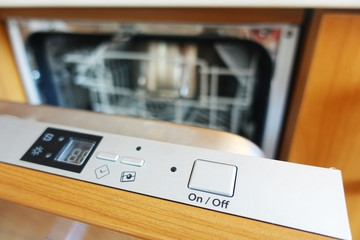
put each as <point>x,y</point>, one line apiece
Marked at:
<point>120,82</point>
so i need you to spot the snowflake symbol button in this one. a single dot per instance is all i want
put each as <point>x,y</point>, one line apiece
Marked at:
<point>37,150</point>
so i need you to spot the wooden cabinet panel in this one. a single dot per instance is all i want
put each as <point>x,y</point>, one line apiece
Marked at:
<point>42,225</point>
<point>176,14</point>
<point>10,83</point>
<point>327,131</point>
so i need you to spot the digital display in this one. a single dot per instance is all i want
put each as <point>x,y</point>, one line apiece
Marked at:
<point>75,151</point>
<point>62,149</point>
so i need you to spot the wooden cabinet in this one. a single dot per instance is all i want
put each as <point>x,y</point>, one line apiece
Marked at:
<point>10,83</point>
<point>326,129</point>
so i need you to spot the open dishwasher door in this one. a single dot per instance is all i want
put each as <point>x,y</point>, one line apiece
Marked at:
<point>295,196</point>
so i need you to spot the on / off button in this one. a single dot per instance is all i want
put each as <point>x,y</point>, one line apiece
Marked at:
<point>213,177</point>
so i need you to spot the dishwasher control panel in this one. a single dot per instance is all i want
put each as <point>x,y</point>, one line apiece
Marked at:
<point>62,149</point>
<point>292,195</point>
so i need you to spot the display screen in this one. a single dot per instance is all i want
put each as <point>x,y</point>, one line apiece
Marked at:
<point>75,151</point>
<point>62,149</point>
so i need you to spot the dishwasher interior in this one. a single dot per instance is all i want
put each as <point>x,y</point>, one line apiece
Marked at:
<point>214,76</point>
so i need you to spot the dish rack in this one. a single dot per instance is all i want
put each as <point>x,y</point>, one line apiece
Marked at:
<point>109,77</point>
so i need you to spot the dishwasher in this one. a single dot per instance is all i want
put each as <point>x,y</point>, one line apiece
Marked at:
<point>229,77</point>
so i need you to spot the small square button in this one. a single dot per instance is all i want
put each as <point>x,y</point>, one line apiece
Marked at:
<point>213,177</point>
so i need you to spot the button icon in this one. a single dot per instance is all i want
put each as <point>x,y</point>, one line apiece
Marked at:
<point>102,171</point>
<point>48,137</point>
<point>36,151</point>
<point>128,176</point>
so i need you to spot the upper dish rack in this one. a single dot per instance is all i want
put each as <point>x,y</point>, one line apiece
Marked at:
<point>168,82</point>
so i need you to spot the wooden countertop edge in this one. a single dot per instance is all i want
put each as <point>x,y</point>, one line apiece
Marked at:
<point>161,14</point>
<point>130,213</point>
<point>185,3</point>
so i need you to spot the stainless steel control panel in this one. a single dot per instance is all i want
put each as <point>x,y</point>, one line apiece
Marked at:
<point>292,195</point>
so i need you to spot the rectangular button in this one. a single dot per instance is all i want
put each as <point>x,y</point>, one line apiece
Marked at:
<point>132,161</point>
<point>107,156</point>
<point>213,177</point>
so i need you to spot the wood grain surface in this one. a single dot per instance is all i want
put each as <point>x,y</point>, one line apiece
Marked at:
<point>18,222</point>
<point>10,84</point>
<point>199,15</point>
<point>327,131</point>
